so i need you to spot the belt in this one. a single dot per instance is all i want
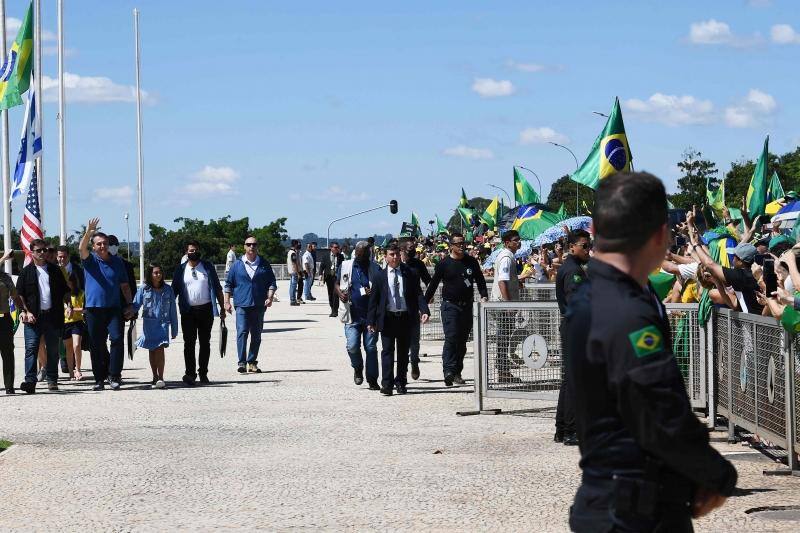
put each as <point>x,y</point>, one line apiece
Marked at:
<point>397,314</point>
<point>460,304</point>
<point>201,306</point>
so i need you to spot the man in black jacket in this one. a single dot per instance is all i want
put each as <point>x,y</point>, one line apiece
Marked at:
<point>328,267</point>
<point>395,304</point>
<point>646,459</point>
<point>42,291</point>
<point>409,257</point>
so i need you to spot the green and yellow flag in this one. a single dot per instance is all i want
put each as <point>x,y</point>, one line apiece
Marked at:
<point>775,189</point>
<point>15,74</point>
<point>757,192</point>
<point>490,215</point>
<point>466,214</point>
<point>716,197</point>
<point>463,202</point>
<point>523,192</point>
<point>440,228</point>
<point>610,152</point>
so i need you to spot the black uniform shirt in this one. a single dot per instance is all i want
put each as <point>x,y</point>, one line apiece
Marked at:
<point>419,269</point>
<point>569,277</point>
<point>630,398</point>
<point>459,277</point>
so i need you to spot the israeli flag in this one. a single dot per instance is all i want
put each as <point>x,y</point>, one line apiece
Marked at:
<point>30,146</point>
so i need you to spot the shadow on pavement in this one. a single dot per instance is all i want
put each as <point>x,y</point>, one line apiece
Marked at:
<point>269,321</point>
<point>279,330</point>
<point>296,370</point>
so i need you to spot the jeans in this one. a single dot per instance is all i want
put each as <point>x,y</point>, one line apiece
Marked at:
<point>395,331</point>
<point>333,300</point>
<point>7,350</point>
<point>413,342</point>
<point>307,284</point>
<point>354,333</point>
<point>457,323</point>
<point>249,322</point>
<point>197,322</point>
<point>102,324</point>
<point>293,288</point>
<point>52,334</point>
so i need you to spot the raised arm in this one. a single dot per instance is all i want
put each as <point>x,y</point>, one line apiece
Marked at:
<point>83,246</point>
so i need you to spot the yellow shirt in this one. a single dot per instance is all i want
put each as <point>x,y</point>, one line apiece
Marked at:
<point>691,293</point>
<point>77,302</point>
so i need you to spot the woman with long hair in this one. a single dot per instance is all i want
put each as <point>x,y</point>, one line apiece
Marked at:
<point>159,319</point>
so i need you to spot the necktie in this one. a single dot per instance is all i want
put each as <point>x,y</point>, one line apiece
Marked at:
<point>397,291</point>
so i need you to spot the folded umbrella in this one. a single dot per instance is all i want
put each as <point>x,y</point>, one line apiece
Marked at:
<point>132,337</point>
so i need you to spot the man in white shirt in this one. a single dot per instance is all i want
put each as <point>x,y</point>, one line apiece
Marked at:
<point>230,259</point>
<point>505,288</point>
<point>308,272</point>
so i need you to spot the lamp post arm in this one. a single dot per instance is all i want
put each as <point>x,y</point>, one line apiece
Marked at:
<point>537,180</point>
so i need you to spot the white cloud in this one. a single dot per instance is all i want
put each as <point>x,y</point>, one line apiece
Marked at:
<point>211,181</point>
<point>754,110</point>
<point>91,89</point>
<point>672,110</point>
<point>715,32</point>
<point>336,193</point>
<point>489,88</point>
<point>13,25</point>
<point>541,135</point>
<point>115,195</point>
<point>532,67</point>
<point>468,152</point>
<point>784,34</point>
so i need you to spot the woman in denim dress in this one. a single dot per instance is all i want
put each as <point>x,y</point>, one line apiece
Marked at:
<point>159,319</point>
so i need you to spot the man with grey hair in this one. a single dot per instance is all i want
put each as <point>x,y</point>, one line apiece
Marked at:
<point>354,286</point>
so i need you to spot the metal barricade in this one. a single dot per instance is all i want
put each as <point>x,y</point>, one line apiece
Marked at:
<point>689,347</point>
<point>538,292</point>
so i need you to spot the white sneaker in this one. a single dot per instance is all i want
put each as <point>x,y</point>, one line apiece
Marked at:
<point>160,384</point>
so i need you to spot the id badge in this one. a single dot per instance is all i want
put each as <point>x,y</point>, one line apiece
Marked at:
<point>363,291</point>
<point>468,282</point>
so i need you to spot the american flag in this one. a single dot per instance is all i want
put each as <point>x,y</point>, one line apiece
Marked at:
<point>32,218</point>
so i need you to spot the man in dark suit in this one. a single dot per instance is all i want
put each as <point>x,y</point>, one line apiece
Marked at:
<point>329,266</point>
<point>395,304</point>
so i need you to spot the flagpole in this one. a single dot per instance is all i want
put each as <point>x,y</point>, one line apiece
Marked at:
<point>37,73</point>
<point>139,162</point>
<point>4,141</point>
<point>62,165</point>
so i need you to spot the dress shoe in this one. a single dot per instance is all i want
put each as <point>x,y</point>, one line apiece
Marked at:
<point>415,371</point>
<point>189,381</point>
<point>401,389</point>
<point>204,380</point>
<point>386,391</point>
<point>570,439</point>
<point>373,385</point>
<point>29,388</point>
<point>358,377</point>
<point>558,436</point>
<point>333,315</point>
<point>11,391</point>
<point>294,303</point>
<point>311,298</point>
<point>52,386</point>
<point>458,380</point>
<point>448,380</point>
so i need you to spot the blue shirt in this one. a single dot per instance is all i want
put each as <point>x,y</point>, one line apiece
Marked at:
<point>358,302</point>
<point>103,279</point>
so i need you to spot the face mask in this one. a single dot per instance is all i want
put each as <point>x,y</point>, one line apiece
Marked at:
<point>194,256</point>
<point>112,249</point>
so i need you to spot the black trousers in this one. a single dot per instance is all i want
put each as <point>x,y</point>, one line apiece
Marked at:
<point>300,280</point>
<point>196,324</point>
<point>565,409</point>
<point>396,332</point>
<point>457,323</point>
<point>7,350</point>
<point>333,300</point>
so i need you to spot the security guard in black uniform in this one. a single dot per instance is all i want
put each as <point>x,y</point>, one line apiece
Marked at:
<point>571,274</point>
<point>646,459</point>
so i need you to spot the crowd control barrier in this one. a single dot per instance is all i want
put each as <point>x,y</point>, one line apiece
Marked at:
<point>739,366</point>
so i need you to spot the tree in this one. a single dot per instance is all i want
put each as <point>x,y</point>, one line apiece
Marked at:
<point>692,184</point>
<point>270,240</point>
<point>564,191</point>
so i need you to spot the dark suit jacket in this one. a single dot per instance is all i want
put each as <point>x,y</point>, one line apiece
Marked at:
<point>28,288</point>
<point>379,299</point>
<point>325,265</point>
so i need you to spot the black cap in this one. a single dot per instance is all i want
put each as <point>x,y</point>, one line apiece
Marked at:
<point>113,241</point>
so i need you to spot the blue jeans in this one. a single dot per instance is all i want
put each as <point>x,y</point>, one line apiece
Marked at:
<point>104,324</point>
<point>354,333</point>
<point>293,288</point>
<point>307,283</point>
<point>33,333</point>
<point>249,322</point>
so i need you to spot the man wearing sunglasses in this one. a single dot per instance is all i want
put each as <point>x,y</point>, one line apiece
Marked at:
<point>42,292</point>
<point>251,281</point>
<point>459,273</point>
<point>569,277</point>
<point>197,287</point>
<point>505,288</point>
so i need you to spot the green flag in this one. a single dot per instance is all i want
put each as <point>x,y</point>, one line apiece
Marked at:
<point>415,223</point>
<point>775,189</point>
<point>463,202</point>
<point>523,192</point>
<point>440,228</point>
<point>466,214</point>
<point>16,69</point>
<point>757,192</point>
<point>490,215</point>
<point>562,211</point>
<point>662,283</point>
<point>716,197</point>
<point>610,152</point>
<point>531,221</point>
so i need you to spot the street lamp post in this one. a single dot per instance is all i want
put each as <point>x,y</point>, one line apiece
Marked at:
<point>128,238</point>
<point>535,175</point>
<point>392,209</point>
<point>501,189</point>
<point>577,191</point>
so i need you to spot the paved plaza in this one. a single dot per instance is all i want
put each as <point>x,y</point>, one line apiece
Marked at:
<point>300,447</point>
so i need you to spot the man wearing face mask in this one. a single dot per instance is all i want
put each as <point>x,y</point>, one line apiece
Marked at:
<point>113,249</point>
<point>198,289</point>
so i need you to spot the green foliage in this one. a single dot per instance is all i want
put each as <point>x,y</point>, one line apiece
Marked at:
<point>695,171</point>
<point>168,246</point>
<point>564,191</point>
<point>5,444</point>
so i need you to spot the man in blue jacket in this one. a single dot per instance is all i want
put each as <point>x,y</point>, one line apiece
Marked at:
<point>197,287</point>
<point>252,283</point>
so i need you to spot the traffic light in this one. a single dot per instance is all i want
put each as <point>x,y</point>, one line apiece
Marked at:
<point>393,207</point>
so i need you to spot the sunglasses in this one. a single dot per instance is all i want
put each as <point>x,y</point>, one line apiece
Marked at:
<point>251,244</point>
<point>39,250</point>
<point>194,274</point>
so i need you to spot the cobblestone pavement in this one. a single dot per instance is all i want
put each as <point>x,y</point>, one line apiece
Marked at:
<point>300,447</point>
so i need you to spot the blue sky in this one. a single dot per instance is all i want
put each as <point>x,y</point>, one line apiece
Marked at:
<point>313,110</point>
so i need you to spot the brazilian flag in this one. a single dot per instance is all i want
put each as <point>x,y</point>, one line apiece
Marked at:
<point>15,74</point>
<point>610,152</point>
<point>562,211</point>
<point>463,202</point>
<point>757,192</point>
<point>524,194</point>
<point>440,227</point>
<point>532,221</point>
<point>490,215</point>
<point>466,214</point>
<point>716,197</point>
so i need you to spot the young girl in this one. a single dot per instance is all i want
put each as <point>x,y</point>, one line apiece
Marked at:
<point>74,328</point>
<point>159,319</point>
